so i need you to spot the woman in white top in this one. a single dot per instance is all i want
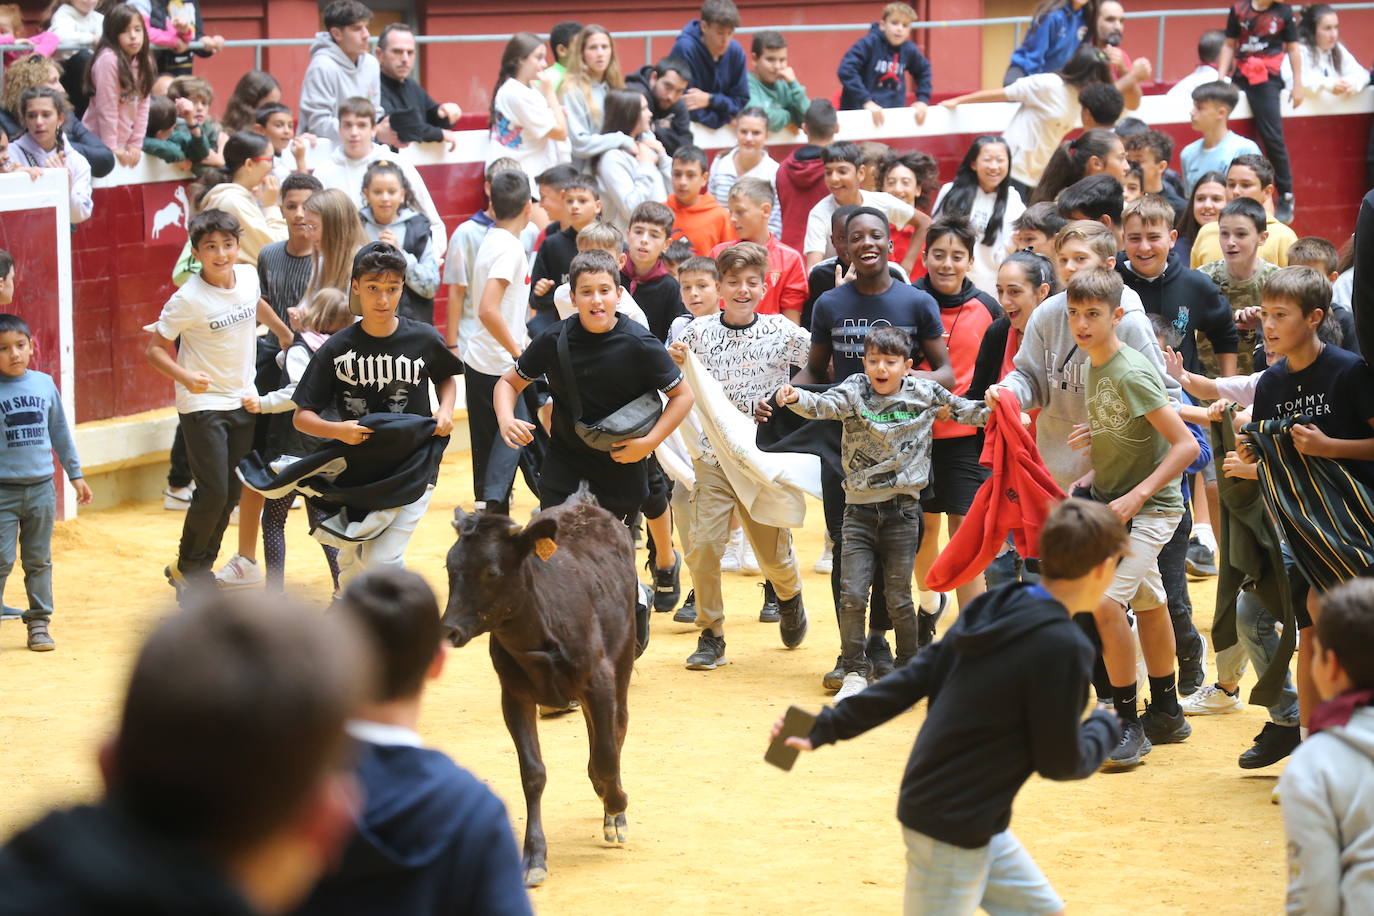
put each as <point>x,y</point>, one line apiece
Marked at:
<point>75,22</point>
<point>1049,110</point>
<point>526,118</point>
<point>593,71</point>
<point>630,177</point>
<point>246,188</point>
<point>1327,65</point>
<point>749,159</point>
<point>982,192</point>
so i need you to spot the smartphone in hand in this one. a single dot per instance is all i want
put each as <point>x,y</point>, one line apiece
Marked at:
<point>797,723</point>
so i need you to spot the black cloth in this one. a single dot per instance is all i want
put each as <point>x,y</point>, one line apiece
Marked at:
<point>1362,296</point>
<point>389,469</point>
<point>551,262</point>
<point>1345,320</point>
<point>283,277</point>
<point>169,60</point>
<point>821,280</point>
<point>96,860</point>
<point>987,368</point>
<point>414,115</point>
<point>671,125</point>
<point>1336,391</point>
<point>282,436</point>
<point>610,370</point>
<point>432,840</point>
<point>357,374</point>
<point>1007,687</point>
<point>955,475</point>
<point>659,298</point>
<point>1189,301</point>
<point>843,317</point>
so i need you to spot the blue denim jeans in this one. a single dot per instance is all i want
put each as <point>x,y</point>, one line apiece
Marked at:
<point>26,516</point>
<point>1255,630</point>
<point>885,534</point>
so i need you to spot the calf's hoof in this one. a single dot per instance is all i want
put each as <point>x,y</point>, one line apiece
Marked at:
<point>614,827</point>
<point>536,875</point>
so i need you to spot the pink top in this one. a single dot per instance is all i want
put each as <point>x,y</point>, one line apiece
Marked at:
<point>118,118</point>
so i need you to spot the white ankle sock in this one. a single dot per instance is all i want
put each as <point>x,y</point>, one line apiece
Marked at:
<point>930,601</point>
<point>1203,532</point>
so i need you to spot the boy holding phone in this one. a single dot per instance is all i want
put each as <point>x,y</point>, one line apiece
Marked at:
<point>1007,684</point>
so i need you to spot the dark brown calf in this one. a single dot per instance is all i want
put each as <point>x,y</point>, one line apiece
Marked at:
<point>558,597</point>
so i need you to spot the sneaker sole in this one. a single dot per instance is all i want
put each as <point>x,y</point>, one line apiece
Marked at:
<point>1208,711</point>
<point>684,618</point>
<point>707,666</point>
<point>1110,764</point>
<point>1196,574</point>
<point>231,586</point>
<point>770,618</point>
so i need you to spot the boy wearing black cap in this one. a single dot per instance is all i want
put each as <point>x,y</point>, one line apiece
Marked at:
<point>382,364</point>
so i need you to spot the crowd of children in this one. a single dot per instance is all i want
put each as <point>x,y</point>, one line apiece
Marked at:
<point>1181,358</point>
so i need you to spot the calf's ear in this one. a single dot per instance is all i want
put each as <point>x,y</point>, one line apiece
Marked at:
<point>542,528</point>
<point>460,518</point>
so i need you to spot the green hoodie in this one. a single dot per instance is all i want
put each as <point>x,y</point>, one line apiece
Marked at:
<point>785,102</point>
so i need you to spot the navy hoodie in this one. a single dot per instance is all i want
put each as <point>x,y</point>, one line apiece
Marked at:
<point>1189,301</point>
<point>1007,688</point>
<point>873,70</point>
<point>727,79</point>
<point>433,839</point>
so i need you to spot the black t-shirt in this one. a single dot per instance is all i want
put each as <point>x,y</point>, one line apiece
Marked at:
<point>1260,33</point>
<point>551,262</point>
<point>844,316</point>
<point>1336,391</point>
<point>611,370</point>
<point>358,374</point>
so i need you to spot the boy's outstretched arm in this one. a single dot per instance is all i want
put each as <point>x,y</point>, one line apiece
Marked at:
<point>889,697</point>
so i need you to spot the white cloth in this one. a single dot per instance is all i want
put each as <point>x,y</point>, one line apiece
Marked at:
<point>1181,93</point>
<point>521,129</point>
<point>1049,110</point>
<point>1320,73</point>
<point>381,733</point>
<point>987,258</point>
<point>1239,388</point>
<point>72,28</point>
<point>500,257</point>
<point>898,211</point>
<point>339,171</point>
<point>771,487</point>
<point>217,332</point>
<point>724,173</point>
<point>627,306</point>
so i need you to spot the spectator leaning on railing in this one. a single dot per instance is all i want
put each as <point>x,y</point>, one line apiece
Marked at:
<point>340,68</point>
<point>413,115</point>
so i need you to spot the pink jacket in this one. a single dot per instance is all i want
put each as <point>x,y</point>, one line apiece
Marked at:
<point>118,118</point>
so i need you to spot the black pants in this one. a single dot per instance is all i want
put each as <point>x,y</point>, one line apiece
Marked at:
<point>1264,106</point>
<point>832,502</point>
<point>179,474</point>
<point>216,441</point>
<point>493,462</point>
<point>74,81</point>
<point>1173,568</point>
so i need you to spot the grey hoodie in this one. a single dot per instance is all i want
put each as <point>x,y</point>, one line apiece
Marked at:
<point>1327,793</point>
<point>331,78</point>
<point>885,445</point>
<point>1052,373</point>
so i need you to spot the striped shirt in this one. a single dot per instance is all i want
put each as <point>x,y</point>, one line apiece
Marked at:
<point>284,277</point>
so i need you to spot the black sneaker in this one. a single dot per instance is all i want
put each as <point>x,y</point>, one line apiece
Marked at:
<point>667,584</point>
<point>1202,562</point>
<point>1272,744</point>
<point>1283,208</point>
<point>1134,745</point>
<point>710,653</point>
<point>1162,728</point>
<point>834,678</point>
<point>688,612</point>
<point>792,621</point>
<point>879,655</point>
<point>926,621</point>
<point>769,612</point>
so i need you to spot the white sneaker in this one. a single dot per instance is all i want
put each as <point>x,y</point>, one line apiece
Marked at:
<point>826,562</point>
<point>239,572</point>
<point>730,560</point>
<point>853,683</point>
<point>1210,700</point>
<point>298,502</point>
<point>748,563</point>
<point>177,499</point>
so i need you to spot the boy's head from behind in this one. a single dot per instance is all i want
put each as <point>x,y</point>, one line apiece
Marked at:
<point>887,358</point>
<point>376,281</point>
<point>689,174</point>
<point>769,53</point>
<point>699,280</point>
<point>1083,540</point>
<point>605,237</point>
<point>16,345</point>
<point>678,250</point>
<point>1241,230</point>
<point>1316,253</point>
<point>1083,244</point>
<point>397,614</point>
<point>1212,105</point>
<point>357,126</point>
<point>510,197</point>
<point>896,23</point>
<point>1344,658</point>
<point>750,205</point>
<point>594,286</point>
<point>844,170</point>
<point>743,268</point>
<point>561,38</point>
<point>651,225</point>
<point>1209,46</point>
<point>1036,228</point>
<point>1250,176</point>
<point>162,117</point>
<point>1103,104</point>
<point>1097,197</point>
<point>820,122</point>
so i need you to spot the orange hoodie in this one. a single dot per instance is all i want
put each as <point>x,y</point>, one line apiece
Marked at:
<point>705,224</point>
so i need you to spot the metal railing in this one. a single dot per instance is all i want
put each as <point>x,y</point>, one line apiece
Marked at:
<point>648,35</point>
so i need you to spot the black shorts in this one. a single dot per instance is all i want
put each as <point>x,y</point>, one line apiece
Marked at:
<point>659,486</point>
<point>955,475</point>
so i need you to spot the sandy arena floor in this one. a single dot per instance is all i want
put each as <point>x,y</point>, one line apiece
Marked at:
<point>712,827</point>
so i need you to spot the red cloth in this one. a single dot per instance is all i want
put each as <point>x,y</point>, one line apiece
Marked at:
<point>1016,499</point>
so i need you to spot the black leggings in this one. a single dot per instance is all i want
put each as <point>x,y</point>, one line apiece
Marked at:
<point>274,514</point>
<point>1264,108</point>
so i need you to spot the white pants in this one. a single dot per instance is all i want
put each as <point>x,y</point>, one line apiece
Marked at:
<point>387,548</point>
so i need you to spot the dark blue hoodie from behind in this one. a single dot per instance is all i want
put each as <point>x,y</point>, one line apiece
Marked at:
<point>431,839</point>
<point>727,79</point>
<point>873,70</point>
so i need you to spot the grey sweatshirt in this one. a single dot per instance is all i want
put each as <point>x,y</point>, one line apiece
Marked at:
<point>626,183</point>
<point>584,127</point>
<point>35,426</point>
<point>1327,793</point>
<point>1052,373</point>
<point>885,444</point>
<point>331,78</point>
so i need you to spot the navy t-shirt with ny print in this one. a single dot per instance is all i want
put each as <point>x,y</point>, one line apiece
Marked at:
<point>844,317</point>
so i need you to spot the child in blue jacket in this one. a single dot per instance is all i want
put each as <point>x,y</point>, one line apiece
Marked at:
<point>873,72</point>
<point>1057,28</point>
<point>720,70</point>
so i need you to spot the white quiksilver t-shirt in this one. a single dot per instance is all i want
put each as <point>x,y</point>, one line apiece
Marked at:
<point>217,329</point>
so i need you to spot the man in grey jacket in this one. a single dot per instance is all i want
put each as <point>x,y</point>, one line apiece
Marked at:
<point>340,68</point>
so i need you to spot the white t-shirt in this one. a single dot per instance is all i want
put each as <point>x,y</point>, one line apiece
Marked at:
<point>627,306</point>
<point>987,258</point>
<point>724,173</point>
<point>500,257</point>
<point>218,333</point>
<point>898,211</point>
<point>1049,110</point>
<point>1239,388</point>
<point>521,129</point>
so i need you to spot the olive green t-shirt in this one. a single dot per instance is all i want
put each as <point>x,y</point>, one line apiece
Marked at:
<point>1239,294</point>
<point>1125,447</point>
